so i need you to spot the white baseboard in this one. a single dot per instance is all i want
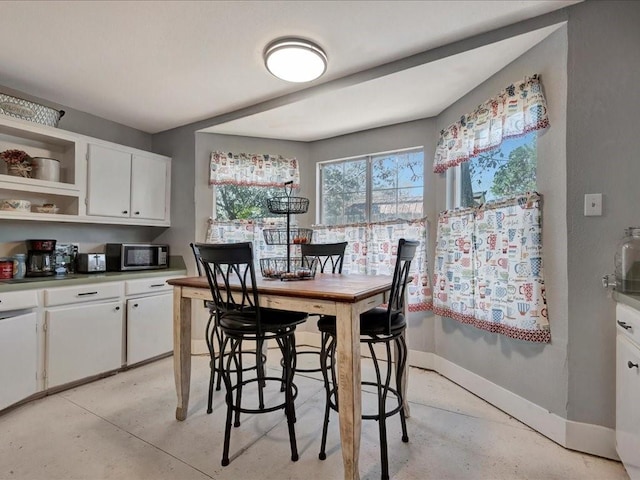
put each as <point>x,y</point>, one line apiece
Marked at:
<point>583,437</point>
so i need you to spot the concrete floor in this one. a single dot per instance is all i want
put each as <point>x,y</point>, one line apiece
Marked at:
<point>123,427</point>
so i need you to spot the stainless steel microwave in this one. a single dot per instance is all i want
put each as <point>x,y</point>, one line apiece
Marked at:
<point>136,256</point>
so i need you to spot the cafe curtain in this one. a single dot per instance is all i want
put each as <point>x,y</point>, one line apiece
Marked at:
<point>372,250</point>
<point>489,271</point>
<point>517,110</point>
<point>236,231</point>
<point>253,169</point>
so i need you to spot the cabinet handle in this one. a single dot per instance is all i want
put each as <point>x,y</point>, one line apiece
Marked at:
<point>87,293</point>
<point>624,325</point>
<point>117,308</point>
<point>124,212</point>
<point>630,364</point>
<point>155,285</point>
<point>135,305</point>
<point>137,213</point>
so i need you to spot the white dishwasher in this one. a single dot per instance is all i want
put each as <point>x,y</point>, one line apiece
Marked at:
<point>628,388</point>
<point>18,347</point>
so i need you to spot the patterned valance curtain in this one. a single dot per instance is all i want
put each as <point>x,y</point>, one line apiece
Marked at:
<point>488,268</point>
<point>372,250</point>
<point>253,169</point>
<point>517,110</point>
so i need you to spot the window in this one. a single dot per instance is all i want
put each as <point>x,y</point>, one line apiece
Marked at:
<point>372,188</point>
<point>243,202</point>
<point>503,172</point>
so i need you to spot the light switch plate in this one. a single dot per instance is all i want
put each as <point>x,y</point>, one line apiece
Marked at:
<point>593,205</point>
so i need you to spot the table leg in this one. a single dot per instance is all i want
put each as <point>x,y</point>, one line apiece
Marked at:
<point>182,350</point>
<point>349,389</point>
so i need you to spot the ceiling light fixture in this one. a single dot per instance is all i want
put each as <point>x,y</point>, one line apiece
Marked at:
<point>295,60</point>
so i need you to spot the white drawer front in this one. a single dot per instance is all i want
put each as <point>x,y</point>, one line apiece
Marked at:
<point>88,293</point>
<point>18,300</point>
<point>148,285</point>
<point>628,322</point>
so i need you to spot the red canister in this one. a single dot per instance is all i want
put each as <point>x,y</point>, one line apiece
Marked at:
<point>6,268</point>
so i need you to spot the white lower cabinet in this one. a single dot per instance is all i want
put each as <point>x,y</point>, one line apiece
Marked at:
<point>83,340</point>
<point>149,327</point>
<point>18,358</point>
<point>627,409</point>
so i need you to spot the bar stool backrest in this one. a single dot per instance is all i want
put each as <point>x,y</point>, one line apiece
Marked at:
<point>406,252</point>
<point>226,264</point>
<point>325,254</point>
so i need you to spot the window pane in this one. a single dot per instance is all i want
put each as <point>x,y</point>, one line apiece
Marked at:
<point>500,173</point>
<point>355,171</point>
<point>384,171</point>
<point>395,181</point>
<point>332,177</point>
<point>355,208</point>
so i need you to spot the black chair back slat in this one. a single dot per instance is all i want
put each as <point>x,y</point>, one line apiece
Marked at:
<point>325,254</point>
<point>406,252</point>
<point>229,263</point>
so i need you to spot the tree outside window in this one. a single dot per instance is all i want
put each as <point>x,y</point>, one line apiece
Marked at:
<point>242,202</point>
<point>507,171</point>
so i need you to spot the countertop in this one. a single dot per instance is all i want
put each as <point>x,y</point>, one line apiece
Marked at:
<point>176,267</point>
<point>631,299</point>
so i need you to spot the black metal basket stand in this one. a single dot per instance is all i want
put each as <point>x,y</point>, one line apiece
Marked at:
<point>286,205</point>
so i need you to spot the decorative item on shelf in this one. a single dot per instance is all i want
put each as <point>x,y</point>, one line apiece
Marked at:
<point>47,208</point>
<point>12,205</point>
<point>46,169</point>
<point>18,162</point>
<point>26,110</point>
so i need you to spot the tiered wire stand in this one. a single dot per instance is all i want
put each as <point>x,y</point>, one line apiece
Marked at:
<point>289,267</point>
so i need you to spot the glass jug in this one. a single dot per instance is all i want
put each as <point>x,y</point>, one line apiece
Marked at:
<point>627,260</point>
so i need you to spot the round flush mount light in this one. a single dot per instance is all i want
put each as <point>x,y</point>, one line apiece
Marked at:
<point>295,60</point>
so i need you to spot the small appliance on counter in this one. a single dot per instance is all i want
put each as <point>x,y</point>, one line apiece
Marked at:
<point>626,278</point>
<point>91,263</point>
<point>136,256</point>
<point>40,258</point>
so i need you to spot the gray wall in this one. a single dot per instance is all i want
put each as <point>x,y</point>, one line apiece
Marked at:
<point>602,157</point>
<point>536,372</point>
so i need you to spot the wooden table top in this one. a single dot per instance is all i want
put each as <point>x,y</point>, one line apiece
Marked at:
<point>325,286</point>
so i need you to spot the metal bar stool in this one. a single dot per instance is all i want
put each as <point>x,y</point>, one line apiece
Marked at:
<point>377,326</point>
<point>240,318</point>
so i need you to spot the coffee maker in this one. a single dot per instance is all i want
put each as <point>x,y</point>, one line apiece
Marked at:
<point>40,258</point>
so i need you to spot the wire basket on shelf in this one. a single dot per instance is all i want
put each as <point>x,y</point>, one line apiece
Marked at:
<point>25,110</point>
<point>278,236</point>
<point>293,269</point>
<point>288,204</point>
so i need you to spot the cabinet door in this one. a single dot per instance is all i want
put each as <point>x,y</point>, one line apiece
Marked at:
<point>149,180</point>
<point>108,182</point>
<point>149,327</point>
<point>18,358</point>
<point>83,341</point>
<point>627,410</point>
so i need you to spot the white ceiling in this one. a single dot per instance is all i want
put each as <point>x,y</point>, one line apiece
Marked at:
<point>156,65</point>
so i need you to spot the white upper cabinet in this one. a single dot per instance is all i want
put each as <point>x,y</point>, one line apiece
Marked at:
<point>150,187</point>
<point>100,182</point>
<point>108,182</point>
<point>126,184</point>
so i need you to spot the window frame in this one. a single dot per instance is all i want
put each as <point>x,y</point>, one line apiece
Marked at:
<point>369,180</point>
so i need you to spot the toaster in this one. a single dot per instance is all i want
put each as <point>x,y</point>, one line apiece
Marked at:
<point>91,263</point>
